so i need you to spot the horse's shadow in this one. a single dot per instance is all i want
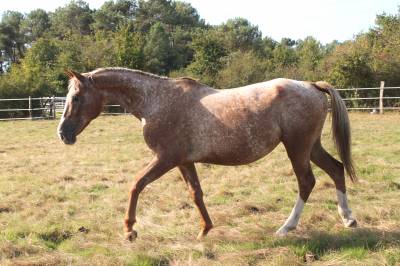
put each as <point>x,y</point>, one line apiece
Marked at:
<point>320,243</point>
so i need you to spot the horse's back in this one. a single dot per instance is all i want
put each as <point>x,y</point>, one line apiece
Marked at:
<point>237,126</point>
<point>241,125</point>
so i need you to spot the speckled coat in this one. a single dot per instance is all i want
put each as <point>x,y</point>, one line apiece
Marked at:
<point>185,122</point>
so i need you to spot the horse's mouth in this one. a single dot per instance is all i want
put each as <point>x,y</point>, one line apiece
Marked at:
<point>67,138</point>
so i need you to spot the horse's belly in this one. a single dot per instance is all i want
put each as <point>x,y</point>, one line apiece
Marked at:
<point>236,156</point>
<point>239,148</point>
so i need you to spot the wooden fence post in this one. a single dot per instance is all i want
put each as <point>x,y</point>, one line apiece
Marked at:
<point>53,106</point>
<point>30,107</point>
<point>381,97</point>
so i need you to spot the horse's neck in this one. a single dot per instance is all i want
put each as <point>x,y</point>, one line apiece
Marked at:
<point>138,93</point>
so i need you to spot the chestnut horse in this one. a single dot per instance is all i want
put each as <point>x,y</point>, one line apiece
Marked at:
<point>185,122</point>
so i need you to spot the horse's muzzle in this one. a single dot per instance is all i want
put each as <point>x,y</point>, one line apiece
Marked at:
<point>67,137</point>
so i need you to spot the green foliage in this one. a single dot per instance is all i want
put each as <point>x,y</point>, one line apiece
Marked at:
<point>156,50</point>
<point>12,38</point>
<point>242,68</point>
<point>310,54</point>
<point>240,34</point>
<point>36,24</point>
<point>181,53</point>
<point>111,15</point>
<point>350,66</point>
<point>168,37</point>
<point>129,47</point>
<point>208,53</point>
<point>75,17</point>
<point>166,12</point>
<point>284,54</point>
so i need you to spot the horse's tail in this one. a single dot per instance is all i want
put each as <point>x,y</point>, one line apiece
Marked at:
<point>340,127</point>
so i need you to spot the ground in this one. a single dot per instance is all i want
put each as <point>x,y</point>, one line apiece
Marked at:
<point>63,205</point>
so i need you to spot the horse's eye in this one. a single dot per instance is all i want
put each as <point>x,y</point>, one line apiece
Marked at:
<point>75,99</point>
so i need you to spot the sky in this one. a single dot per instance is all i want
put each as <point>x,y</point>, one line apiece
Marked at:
<point>326,20</point>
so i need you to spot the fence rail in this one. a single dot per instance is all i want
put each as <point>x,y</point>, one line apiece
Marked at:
<point>32,108</point>
<point>355,101</point>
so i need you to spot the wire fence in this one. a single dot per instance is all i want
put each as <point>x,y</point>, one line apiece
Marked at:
<point>374,100</point>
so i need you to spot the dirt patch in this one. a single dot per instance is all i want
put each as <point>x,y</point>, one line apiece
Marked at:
<point>83,229</point>
<point>394,185</point>
<point>310,257</point>
<point>185,206</point>
<point>252,209</point>
<point>228,193</point>
<point>55,237</point>
<point>66,178</point>
<point>318,217</point>
<point>4,209</point>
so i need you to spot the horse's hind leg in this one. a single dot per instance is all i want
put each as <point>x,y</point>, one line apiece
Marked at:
<point>335,170</point>
<point>191,179</point>
<point>300,159</point>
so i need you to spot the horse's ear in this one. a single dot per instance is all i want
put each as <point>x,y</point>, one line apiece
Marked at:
<point>73,74</point>
<point>69,73</point>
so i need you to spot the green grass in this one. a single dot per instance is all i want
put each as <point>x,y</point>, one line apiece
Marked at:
<point>63,205</point>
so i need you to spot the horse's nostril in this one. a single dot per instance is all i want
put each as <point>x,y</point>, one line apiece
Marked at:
<point>61,136</point>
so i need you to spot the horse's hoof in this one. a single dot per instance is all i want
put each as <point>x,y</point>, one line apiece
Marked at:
<point>202,234</point>
<point>131,236</point>
<point>350,223</point>
<point>283,231</point>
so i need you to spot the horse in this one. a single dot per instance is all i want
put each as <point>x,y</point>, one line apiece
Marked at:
<point>186,122</point>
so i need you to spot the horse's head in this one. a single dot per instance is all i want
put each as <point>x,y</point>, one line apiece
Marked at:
<point>83,104</point>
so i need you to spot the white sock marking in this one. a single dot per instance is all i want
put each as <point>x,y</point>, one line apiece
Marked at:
<point>344,210</point>
<point>293,218</point>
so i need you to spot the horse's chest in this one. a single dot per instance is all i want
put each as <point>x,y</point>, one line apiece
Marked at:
<point>164,135</point>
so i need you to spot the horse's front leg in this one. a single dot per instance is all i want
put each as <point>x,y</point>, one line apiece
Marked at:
<point>155,169</point>
<point>191,179</point>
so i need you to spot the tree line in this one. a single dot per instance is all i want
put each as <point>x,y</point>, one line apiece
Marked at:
<point>169,38</point>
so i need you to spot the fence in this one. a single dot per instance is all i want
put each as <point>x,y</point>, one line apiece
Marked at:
<point>360,99</point>
<point>375,103</point>
<point>28,108</point>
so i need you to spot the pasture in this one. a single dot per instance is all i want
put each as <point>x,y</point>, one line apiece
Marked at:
<point>63,205</point>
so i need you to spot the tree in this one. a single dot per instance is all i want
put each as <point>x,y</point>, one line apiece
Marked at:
<point>350,66</point>
<point>12,39</point>
<point>181,54</point>
<point>156,50</point>
<point>169,13</point>
<point>36,24</point>
<point>241,68</point>
<point>310,54</point>
<point>40,66</point>
<point>74,18</point>
<point>384,41</point>
<point>240,34</point>
<point>267,47</point>
<point>129,47</point>
<point>112,14</point>
<point>208,53</point>
<point>186,16</point>
<point>154,11</point>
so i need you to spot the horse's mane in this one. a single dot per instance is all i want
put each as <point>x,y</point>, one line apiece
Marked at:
<point>140,72</point>
<point>126,70</point>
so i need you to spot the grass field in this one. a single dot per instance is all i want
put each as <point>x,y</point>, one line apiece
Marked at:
<point>63,205</point>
